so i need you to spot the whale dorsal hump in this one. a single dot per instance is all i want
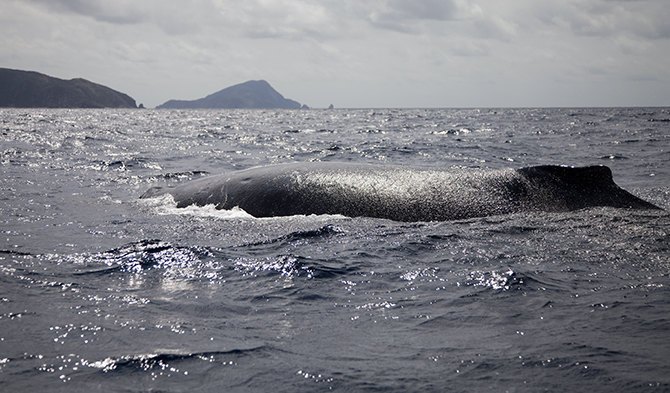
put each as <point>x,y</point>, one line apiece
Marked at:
<point>580,187</point>
<point>586,176</point>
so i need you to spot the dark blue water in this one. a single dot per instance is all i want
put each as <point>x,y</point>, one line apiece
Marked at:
<point>102,291</point>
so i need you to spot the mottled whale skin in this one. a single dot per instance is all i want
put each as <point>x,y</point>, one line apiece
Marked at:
<point>404,194</point>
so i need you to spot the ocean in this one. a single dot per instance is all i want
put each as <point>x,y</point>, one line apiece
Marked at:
<point>101,291</point>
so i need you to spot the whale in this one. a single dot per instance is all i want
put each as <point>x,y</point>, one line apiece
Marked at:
<point>403,193</point>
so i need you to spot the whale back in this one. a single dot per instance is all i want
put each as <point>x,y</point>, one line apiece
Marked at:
<point>404,194</point>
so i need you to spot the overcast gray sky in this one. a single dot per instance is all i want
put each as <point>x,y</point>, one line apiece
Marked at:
<point>354,53</point>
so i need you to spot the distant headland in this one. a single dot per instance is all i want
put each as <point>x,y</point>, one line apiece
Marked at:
<point>29,89</point>
<point>248,95</point>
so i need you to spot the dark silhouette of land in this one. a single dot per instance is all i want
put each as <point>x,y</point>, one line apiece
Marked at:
<point>29,89</point>
<point>248,95</point>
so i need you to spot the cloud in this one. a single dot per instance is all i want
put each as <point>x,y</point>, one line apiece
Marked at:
<point>410,16</point>
<point>435,52</point>
<point>290,19</point>
<point>609,18</point>
<point>285,19</point>
<point>117,12</point>
<point>173,18</point>
<point>468,48</point>
<point>421,9</point>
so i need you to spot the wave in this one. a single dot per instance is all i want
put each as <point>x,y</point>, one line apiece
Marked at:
<point>168,359</point>
<point>122,165</point>
<point>15,252</point>
<point>292,266</point>
<point>178,175</point>
<point>323,232</point>
<point>497,280</point>
<point>506,280</point>
<point>614,157</point>
<point>142,255</point>
<point>195,262</point>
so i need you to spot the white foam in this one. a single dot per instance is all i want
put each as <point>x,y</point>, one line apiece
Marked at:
<point>166,205</point>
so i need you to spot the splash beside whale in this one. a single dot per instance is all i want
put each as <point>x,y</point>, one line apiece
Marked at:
<point>404,194</point>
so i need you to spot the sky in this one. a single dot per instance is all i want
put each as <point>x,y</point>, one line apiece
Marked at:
<point>354,53</point>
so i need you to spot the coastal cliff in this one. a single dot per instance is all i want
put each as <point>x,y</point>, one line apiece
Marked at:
<point>29,89</point>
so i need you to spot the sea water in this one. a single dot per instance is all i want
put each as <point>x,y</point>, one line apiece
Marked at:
<point>102,291</point>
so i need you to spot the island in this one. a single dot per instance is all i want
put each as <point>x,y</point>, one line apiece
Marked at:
<point>255,94</point>
<point>29,89</point>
